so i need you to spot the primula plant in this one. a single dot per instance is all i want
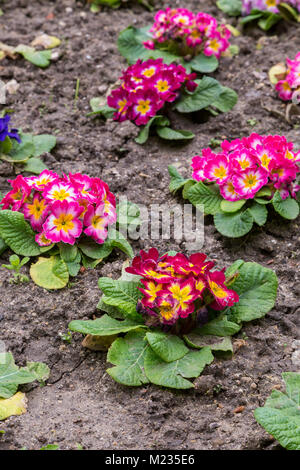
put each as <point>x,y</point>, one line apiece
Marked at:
<point>23,150</point>
<point>70,217</point>
<point>286,78</point>
<point>173,312</point>
<point>238,184</point>
<point>266,12</point>
<point>147,89</point>
<point>196,41</point>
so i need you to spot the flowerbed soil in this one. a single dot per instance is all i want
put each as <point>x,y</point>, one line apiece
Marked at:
<point>81,403</point>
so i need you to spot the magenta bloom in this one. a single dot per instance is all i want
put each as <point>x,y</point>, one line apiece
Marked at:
<point>96,223</point>
<point>63,225</point>
<point>36,211</point>
<point>289,87</point>
<point>17,196</point>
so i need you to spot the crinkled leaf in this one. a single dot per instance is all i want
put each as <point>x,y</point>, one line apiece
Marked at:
<point>257,290</point>
<point>121,294</point>
<point>39,370</point>
<point>234,225</point>
<point>172,134</point>
<point>104,326</point>
<point>174,374</point>
<point>226,100</point>
<point>74,266</point>
<point>3,246</point>
<point>68,252</point>
<point>43,143</point>
<point>98,107</point>
<point>215,343</point>
<point>112,311</point>
<point>95,250</point>
<point>128,354</point>
<point>280,416</point>
<point>232,206</point>
<point>168,347</point>
<point>144,132</point>
<point>200,194</point>
<point>259,213</point>
<point>18,234</point>
<point>231,7</point>
<point>50,273</point>
<point>219,326</point>
<point>287,208</point>
<point>204,64</point>
<point>177,181</point>
<point>206,93</point>
<point>35,166</point>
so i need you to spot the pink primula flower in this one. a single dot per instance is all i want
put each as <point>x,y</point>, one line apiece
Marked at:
<point>63,225</point>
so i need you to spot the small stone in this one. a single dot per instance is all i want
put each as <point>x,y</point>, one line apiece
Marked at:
<point>253,386</point>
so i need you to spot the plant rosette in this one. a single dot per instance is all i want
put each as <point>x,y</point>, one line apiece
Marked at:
<point>167,316</point>
<point>147,90</point>
<point>71,218</point>
<point>195,41</point>
<point>267,13</point>
<point>286,79</point>
<point>96,4</point>
<point>237,185</point>
<point>23,150</point>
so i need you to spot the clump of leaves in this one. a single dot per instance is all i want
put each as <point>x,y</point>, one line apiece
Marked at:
<point>95,4</point>
<point>15,265</point>
<point>280,415</point>
<point>145,350</point>
<point>23,150</point>
<point>11,376</point>
<point>266,13</point>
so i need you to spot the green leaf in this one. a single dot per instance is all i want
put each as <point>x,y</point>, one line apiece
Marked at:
<point>144,132</point>
<point>11,375</point>
<point>215,343</point>
<point>231,7</point>
<point>259,213</point>
<point>112,311</point>
<point>38,58</point>
<point>99,108</point>
<point>130,43</point>
<point>255,15</point>
<point>17,233</point>
<point>226,100</point>
<point>288,12</point>
<point>219,326</point>
<point>174,374</point>
<point>43,143</point>
<point>128,354</point>
<point>234,225</point>
<point>50,273</point>
<point>287,208</point>
<point>34,165</point>
<point>257,290</point>
<point>68,252</point>
<point>5,145</point>
<point>177,181</point>
<point>200,194</point>
<point>20,153</point>
<point>117,240</point>
<point>268,20</point>
<point>172,134</point>
<point>204,64</point>
<point>232,206</point>
<point>104,326</point>
<point>3,246</point>
<point>95,250</point>
<point>121,294</point>
<point>168,347</point>
<point>206,93</point>
<point>280,416</point>
<point>74,266</point>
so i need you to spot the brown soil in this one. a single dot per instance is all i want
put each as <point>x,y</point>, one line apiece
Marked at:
<point>81,403</point>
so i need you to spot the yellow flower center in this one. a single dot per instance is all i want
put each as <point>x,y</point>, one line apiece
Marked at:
<point>217,290</point>
<point>153,289</point>
<point>214,45</point>
<point>64,222</point>
<point>244,164</point>
<point>271,3</point>
<point>60,194</point>
<point>122,104</point>
<point>250,181</point>
<point>143,106</point>
<point>181,294</point>
<point>97,222</point>
<point>265,160</point>
<point>162,86</point>
<point>220,172</point>
<point>149,72</point>
<point>36,208</point>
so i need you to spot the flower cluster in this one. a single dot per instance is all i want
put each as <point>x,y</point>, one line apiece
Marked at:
<point>267,5</point>
<point>61,209</point>
<point>146,87</point>
<point>191,33</point>
<point>247,165</point>
<point>177,286</point>
<point>4,132</point>
<point>290,84</point>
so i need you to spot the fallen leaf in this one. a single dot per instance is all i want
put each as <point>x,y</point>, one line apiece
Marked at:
<point>47,42</point>
<point>7,51</point>
<point>13,406</point>
<point>277,72</point>
<point>12,87</point>
<point>98,343</point>
<point>239,409</point>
